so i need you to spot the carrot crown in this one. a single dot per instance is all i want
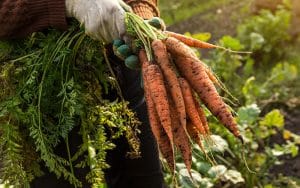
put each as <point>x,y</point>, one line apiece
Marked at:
<point>145,33</point>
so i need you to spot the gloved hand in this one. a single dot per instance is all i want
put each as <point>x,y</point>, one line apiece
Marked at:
<point>103,19</point>
<point>125,52</point>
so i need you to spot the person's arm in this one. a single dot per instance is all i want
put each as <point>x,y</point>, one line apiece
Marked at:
<point>103,19</point>
<point>19,18</point>
<point>144,8</point>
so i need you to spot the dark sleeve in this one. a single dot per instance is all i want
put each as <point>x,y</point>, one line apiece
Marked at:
<point>19,18</point>
<point>144,8</point>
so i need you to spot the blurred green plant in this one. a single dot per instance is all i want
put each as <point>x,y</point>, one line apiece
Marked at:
<point>178,10</point>
<point>269,74</point>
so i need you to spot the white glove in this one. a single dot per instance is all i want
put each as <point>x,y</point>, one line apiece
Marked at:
<point>103,19</point>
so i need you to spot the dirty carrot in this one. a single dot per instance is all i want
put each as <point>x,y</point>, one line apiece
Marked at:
<point>162,59</point>
<point>180,49</point>
<point>195,43</point>
<point>195,135</point>
<point>190,106</point>
<point>181,139</point>
<point>195,73</point>
<point>212,76</point>
<point>160,135</point>
<point>191,42</point>
<point>159,96</point>
<point>163,142</point>
<point>176,46</point>
<point>202,116</point>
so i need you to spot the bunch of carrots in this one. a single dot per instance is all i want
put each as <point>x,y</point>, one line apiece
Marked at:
<point>175,81</point>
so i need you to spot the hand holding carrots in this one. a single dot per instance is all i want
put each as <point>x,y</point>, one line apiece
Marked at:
<point>175,81</point>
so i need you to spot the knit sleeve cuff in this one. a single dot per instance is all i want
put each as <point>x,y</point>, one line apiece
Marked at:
<point>144,8</point>
<point>45,13</point>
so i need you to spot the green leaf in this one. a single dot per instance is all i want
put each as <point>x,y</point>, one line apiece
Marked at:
<point>249,67</point>
<point>221,144</point>
<point>180,166</point>
<point>247,115</point>
<point>273,118</point>
<point>278,151</point>
<point>250,90</point>
<point>234,176</point>
<point>268,186</point>
<point>257,41</point>
<point>216,171</point>
<point>294,150</point>
<point>230,42</point>
<point>201,36</point>
<point>203,167</point>
<point>283,72</point>
<point>206,183</point>
<point>186,180</point>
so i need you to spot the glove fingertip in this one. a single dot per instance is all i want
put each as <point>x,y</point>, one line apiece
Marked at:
<point>132,62</point>
<point>118,42</point>
<point>124,50</point>
<point>157,22</point>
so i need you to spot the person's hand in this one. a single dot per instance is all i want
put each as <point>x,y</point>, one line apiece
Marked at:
<point>125,52</point>
<point>103,19</point>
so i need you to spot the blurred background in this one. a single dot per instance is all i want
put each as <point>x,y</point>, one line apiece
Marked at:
<point>266,84</point>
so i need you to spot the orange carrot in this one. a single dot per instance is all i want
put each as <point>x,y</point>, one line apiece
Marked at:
<point>190,105</point>
<point>181,139</point>
<point>191,42</point>
<point>163,142</point>
<point>195,72</point>
<point>212,76</point>
<point>174,45</point>
<point>202,116</point>
<point>162,59</point>
<point>160,135</point>
<point>159,96</point>
<point>195,135</point>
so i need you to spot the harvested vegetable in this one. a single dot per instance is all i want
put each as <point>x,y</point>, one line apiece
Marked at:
<point>190,106</point>
<point>160,135</point>
<point>159,96</point>
<point>181,139</point>
<point>173,79</point>
<point>162,59</point>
